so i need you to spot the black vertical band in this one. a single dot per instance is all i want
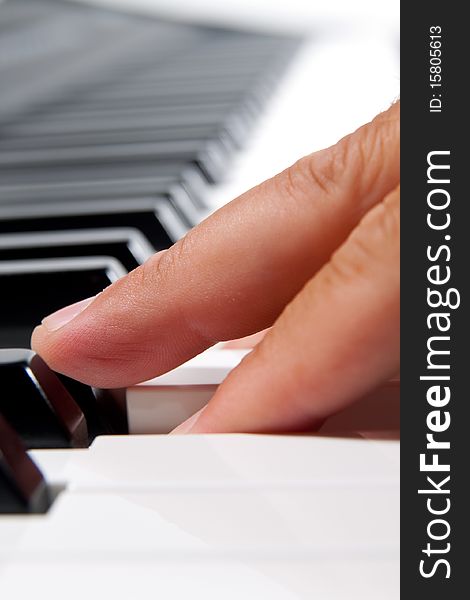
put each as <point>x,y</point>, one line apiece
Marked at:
<point>435,254</point>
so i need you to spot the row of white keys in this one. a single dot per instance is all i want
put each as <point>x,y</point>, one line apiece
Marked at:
<point>267,516</point>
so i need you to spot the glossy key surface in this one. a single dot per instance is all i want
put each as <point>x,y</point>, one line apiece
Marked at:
<point>37,405</point>
<point>22,486</point>
<point>155,218</point>
<point>126,245</point>
<point>33,289</point>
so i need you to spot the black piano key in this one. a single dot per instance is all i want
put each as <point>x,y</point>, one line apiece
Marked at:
<point>233,128</point>
<point>208,59</point>
<point>186,194</point>
<point>222,83</point>
<point>235,122</point>
<point>149,98</point>
<point>163,173</point>
<point>211,157</point>
<point>106,153</point>
<point>64,115</point>
<point>37,405</point>
<point>36,288</point>
<point>128,246</point>
<point>79,183</point>
<point>204,133</point>
<point>195,71</point>
<point>22,486</point>
<point>156,219</point>
<point>158,87</point>
<point>99,421</point>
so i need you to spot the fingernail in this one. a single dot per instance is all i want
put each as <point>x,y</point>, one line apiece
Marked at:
<point>65,315</point>
<point>188,425</point>
<point>250,341</point>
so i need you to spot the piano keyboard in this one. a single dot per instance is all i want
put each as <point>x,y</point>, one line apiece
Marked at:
<point>117,134</point>
<point>119,122</point>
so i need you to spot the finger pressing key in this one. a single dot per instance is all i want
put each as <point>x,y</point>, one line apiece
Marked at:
<point>338,339</point>
<point>234,273</point>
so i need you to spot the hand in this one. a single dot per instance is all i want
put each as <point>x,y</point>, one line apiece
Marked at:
<point>313,252</point>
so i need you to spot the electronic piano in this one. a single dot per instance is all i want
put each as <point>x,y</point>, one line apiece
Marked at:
<point>119,131</point>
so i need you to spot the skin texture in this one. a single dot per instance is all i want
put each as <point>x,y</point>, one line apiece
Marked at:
<point>312,252</point>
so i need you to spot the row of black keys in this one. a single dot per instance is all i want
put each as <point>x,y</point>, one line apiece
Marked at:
<point>114,162</point>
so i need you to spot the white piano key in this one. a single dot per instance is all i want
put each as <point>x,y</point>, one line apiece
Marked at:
<point>162,403</point>
<point>53,463</point>
<point>113,268</point>
<point>137,242</point>
<point>162,462</point>
<point>248,523</point>
<point>307,579</point>
<point>208,368</point>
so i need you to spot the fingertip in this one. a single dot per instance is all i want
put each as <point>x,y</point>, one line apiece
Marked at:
<point>37,338</point>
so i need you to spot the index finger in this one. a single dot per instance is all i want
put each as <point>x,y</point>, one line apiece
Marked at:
<point>232,274</point>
